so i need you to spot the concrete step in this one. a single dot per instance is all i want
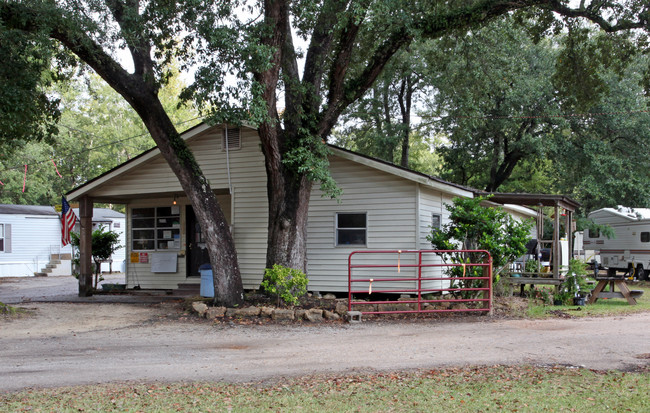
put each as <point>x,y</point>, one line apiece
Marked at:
<point>40,274</point>
<point>188,289</point>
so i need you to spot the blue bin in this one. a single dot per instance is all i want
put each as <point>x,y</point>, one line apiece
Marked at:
<point>207,285</point>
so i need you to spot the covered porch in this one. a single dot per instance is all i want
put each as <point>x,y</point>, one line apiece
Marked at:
<point>563,211</point>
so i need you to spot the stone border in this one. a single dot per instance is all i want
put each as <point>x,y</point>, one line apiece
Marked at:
<point>313,315</point>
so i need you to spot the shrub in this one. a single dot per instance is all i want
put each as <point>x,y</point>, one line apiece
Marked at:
<point>473,226</point>
<point>287,284</point>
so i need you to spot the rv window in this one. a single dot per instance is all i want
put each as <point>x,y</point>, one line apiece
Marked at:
<point>594,233</point>
<point>2,237</point>
<point>645,237</point>
<point>351,229</point>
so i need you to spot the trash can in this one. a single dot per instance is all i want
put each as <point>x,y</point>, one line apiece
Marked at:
<point>207,285</point>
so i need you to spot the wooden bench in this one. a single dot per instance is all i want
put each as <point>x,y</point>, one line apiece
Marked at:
<point>523,281</point>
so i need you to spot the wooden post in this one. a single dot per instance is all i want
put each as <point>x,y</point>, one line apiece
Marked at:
<point>569,232</point>
<point>556,243</point>
<point>85,247</point>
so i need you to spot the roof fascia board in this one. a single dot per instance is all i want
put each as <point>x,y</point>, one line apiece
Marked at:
<point>402,173</point>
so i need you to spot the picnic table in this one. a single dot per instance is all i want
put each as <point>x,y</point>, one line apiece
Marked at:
<point>621,283</point>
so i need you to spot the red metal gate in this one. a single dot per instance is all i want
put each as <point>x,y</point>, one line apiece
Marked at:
<point>378,277</point>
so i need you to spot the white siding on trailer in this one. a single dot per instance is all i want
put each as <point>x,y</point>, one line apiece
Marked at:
<point>249,202</point>
<point>33,239</point>
<point>390,204</point>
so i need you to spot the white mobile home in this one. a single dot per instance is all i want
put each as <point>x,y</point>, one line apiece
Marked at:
<point>30,242</point>
<point>114,221</point>
<point>629,250</point>
<point>382,207</point>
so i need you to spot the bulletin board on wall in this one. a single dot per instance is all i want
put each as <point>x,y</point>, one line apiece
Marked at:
<point>164,262</point>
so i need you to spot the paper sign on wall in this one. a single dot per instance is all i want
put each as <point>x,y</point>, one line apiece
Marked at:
<point>144,257</point>
<point>164,262</point>
<point>135,258</point>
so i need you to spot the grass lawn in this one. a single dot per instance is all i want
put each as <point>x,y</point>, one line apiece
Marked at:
<point>515,389</point>
<point>602,307</point>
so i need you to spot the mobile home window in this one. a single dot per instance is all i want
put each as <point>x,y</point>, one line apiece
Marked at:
<point>645,237</point>
<point>2,237</point>
<point>436,221</point>
<point>351,229</point>
<point>594,233</point>
<point>155,228</point>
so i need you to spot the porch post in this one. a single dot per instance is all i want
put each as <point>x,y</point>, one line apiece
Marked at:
<point>85,247</point>
<point>556,243</point>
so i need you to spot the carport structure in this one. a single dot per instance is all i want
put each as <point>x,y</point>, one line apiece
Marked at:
<point>563,208</point>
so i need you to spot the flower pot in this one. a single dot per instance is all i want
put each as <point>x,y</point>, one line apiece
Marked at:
<point>579,301</point>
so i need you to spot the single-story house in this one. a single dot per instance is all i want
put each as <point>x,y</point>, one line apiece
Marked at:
<point>30,242</point>
<point>382,206</point>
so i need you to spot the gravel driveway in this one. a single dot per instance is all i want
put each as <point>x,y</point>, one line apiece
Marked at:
<point>77,343</point>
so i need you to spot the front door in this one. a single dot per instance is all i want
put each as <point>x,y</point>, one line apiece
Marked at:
<point>197,253</point>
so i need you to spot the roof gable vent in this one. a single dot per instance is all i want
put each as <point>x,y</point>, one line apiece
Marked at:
<point>231,139</point>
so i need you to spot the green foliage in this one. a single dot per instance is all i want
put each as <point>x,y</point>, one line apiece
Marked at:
<point>104,244</point>
<point>575,282</point>
<point>98,130</point>
<point>586,224</point>
<point>473,226</point>
<point>490,89</point>
<point>27,111</point>
<point>540,294</point>
<point>287,284</point>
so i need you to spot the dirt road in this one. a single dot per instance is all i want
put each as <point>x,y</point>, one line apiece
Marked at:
<point>80,343</point>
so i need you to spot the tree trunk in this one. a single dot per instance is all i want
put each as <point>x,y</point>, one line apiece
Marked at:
<point>228,287</point>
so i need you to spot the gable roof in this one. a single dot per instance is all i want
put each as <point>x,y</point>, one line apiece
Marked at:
<point>103,214</point>
<point>27,210</point>
<point>430,181</point>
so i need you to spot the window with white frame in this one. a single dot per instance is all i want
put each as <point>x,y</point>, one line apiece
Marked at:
<point>351,228</point>
<point>155,228</point>
<point>2,237</point>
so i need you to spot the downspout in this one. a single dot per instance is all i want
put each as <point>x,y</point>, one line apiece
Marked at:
<point>228,161</point>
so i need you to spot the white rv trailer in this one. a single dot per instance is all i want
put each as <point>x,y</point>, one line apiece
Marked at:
<point>629,250</point>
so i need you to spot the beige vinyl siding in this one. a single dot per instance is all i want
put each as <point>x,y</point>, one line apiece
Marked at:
<point>249,202</point>
<point>390,204</point>
<point>432,202</point>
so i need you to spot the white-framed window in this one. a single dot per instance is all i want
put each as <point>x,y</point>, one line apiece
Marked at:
<point>231,139</point>
<point>155,228</point>
<point>2,237</point>
<point>351,228</point>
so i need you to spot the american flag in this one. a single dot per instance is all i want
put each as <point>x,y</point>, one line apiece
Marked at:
<point>68,219</point>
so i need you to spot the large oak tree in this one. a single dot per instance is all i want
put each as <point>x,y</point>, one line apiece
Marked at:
<point>348,44</point>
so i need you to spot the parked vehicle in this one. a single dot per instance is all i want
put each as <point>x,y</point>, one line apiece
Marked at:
<point>628,253</point>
